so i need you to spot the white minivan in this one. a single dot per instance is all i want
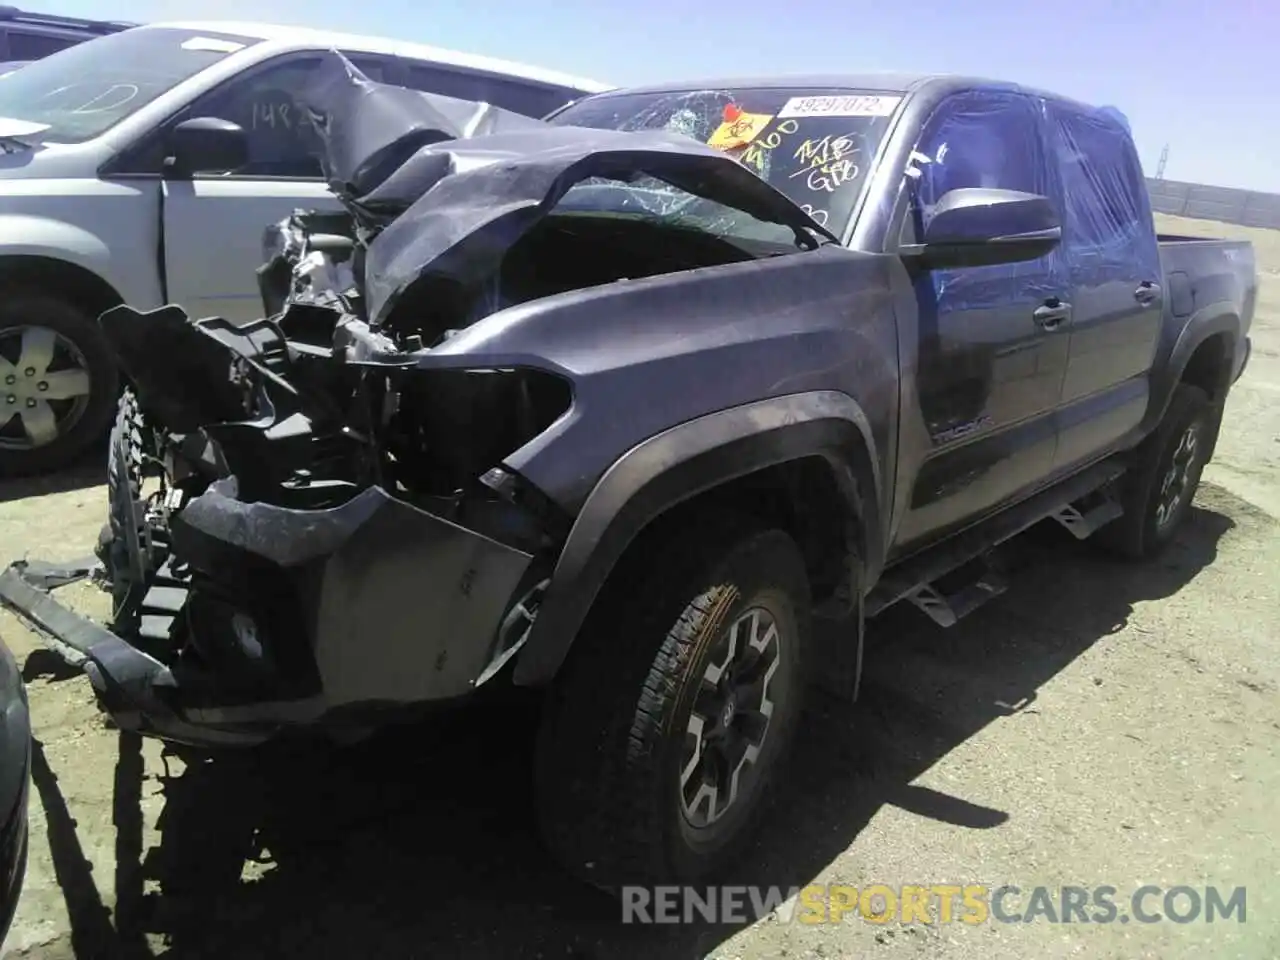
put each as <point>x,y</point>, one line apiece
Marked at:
<point>97,207</point>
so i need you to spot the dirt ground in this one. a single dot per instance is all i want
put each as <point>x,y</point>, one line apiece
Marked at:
<point>1099,724</point>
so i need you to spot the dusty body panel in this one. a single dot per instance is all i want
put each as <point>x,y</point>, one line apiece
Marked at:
<point>526,341</point>
<point>479,199</point>
<point>372,565</point>
<point>685,345</point>
<point>334,471</point>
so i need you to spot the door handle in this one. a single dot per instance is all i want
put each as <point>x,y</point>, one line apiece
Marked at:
<point>1051,314</point>
<point>1147,292</point>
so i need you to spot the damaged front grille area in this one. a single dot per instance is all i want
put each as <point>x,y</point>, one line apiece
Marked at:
<point>323,512</point>
<point>319,519</point>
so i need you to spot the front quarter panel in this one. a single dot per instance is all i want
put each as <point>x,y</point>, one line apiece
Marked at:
<point>108,229</point>
<point>650,354</point>
<point>684,381</point>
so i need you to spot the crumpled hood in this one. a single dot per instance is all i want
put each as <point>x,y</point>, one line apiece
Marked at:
<point>446,188</point>
<point>368,130</point>
<point>483,194</point>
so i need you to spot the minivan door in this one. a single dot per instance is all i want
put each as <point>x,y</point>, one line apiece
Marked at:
<point>214,222</point>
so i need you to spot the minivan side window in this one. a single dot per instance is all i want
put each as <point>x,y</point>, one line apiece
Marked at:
<point>527,97</point>
<point>282,141</point>
<point>265,103</point>
<point>1106,212</point>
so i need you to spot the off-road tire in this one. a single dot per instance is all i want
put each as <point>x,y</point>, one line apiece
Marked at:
<point>127,449</point>
<point>1138,534</point>
<point>79,326</point>
<point>607,760</point>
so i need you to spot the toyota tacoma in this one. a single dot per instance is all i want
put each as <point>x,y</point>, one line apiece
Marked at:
<point>619,404</point>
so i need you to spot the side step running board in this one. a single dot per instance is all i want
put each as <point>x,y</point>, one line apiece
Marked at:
<point>945,609</point>
<point>1083,522</point>
<point>914,577</point>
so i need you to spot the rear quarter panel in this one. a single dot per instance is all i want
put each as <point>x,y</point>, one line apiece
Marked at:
<point>1211,288</point>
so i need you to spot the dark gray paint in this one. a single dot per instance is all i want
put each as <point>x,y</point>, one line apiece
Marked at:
<point>689,459</point>
<point>761,329</point>
<point>683,381</point>
<point>483,196</point>
<point>369,129</point>
<point>15,738</point>
<point>15,780</point>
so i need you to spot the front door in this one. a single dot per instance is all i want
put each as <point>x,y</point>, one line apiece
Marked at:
<point>990,358</point>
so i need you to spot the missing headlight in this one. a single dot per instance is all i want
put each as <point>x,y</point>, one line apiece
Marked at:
<point>451,426</point>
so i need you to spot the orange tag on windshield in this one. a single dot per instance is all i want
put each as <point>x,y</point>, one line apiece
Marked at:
<point>739,128</point>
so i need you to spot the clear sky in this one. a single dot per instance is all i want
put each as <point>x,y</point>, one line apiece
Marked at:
<point>1203,77</point>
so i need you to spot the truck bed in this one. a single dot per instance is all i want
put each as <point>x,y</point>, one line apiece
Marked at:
<point>1199,272</point>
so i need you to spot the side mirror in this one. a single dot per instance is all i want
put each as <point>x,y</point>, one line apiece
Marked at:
<point>206,145</point>
<point>977,227</point>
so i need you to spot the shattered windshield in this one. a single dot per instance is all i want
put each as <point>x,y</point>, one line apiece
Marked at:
<point>82,91</point>
<point>814,145</point>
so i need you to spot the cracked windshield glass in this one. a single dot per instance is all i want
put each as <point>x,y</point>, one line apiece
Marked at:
<point>814,145</point>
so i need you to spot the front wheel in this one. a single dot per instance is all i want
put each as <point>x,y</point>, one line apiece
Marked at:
<point>121,543</point>
<point>662,735</point>
<point>58,383</point>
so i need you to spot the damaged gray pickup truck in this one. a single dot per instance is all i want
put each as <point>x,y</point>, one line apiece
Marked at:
<point>623,404</point>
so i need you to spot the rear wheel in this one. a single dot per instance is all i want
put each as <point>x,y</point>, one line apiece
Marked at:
<point>662,735</point>
<point>58,383</point>
<point>1158,490</point>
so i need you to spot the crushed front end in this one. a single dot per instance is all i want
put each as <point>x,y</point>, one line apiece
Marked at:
<point>304,528</point>
<point>322,514</point>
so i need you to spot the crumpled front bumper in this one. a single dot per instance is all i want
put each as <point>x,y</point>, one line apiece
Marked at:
<point>390,605</point>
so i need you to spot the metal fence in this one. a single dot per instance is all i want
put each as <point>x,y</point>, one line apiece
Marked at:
<point>1226,204</point>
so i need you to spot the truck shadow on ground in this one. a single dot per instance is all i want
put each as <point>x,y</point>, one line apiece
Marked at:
<point>421,842</point>
<point>88,472</point>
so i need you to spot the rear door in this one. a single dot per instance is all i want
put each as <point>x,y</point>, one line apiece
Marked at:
<point>1113,259</point>
<point>214,222</point>
<point>988,370</point>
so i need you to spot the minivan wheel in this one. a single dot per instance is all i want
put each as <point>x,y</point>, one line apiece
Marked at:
<point>665,730</point>
<point>58,383</point>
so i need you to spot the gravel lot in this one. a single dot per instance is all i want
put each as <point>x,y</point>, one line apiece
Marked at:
<point>1099,724</point>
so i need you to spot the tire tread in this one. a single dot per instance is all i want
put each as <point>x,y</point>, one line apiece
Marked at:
<point>1132,536</point>
<point>597,771</point>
